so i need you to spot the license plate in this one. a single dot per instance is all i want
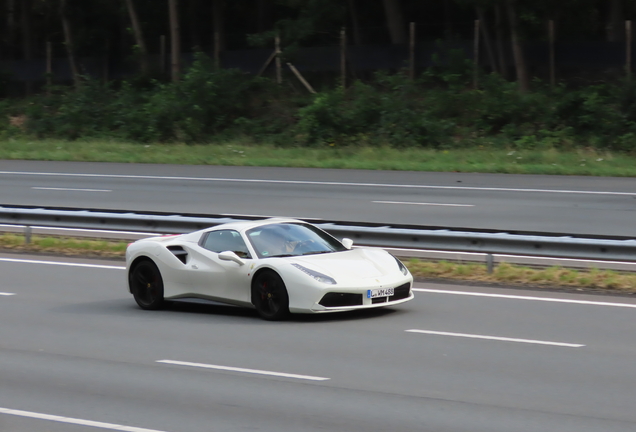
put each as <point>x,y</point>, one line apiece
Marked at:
<point>380,292</point>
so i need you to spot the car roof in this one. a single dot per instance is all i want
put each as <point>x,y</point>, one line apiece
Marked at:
<point>242,226</point>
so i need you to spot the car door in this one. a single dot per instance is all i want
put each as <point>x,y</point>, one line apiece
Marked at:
<point>217,279</point>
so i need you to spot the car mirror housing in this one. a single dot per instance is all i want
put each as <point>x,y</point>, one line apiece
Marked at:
<point>231,256</point>
<point>347,242</point>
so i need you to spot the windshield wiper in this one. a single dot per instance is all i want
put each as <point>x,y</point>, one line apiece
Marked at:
<point>281,256</point>
<point>316,252</point>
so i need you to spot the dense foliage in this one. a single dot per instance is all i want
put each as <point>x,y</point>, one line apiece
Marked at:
<point>439,109</point>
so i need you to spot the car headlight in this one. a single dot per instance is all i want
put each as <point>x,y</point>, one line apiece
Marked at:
<point>403,268</point>
<point>320,277</point>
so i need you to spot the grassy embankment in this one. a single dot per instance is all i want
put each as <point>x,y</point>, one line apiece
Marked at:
<point>243,153</point>
<point>618,282</point>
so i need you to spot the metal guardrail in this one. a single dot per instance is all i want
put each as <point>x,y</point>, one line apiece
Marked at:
<point>534,244</point>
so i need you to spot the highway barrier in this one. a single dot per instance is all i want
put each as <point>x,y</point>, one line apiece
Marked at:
<point>381,235</point>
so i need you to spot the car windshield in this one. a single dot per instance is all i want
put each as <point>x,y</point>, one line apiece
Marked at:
<point>291,239</point>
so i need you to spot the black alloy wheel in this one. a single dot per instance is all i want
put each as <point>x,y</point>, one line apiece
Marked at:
<point>146,285</point>
<point>269,296</point>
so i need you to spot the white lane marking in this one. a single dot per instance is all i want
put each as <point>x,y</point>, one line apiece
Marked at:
<point>250,371</point>
<point>423,204</point>
<point>516,297</point>
<point>98,266</point>
<point>71,189</point>
<point>502,339</point>
<point>76,421</point>
<point>6,294</point>
<point>307,182</point>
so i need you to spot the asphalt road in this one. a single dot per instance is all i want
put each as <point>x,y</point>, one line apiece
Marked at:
<point>73,344</point>
<point>573,205</point>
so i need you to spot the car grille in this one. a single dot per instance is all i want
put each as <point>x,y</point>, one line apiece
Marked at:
<point>341,299</point>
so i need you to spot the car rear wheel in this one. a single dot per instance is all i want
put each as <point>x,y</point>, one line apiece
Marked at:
<point>146,285</point>
<point>269,296</point>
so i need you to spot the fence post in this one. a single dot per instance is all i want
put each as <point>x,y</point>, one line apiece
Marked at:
<point>490,263</point>
<point>551,37</point>
<point>412,51</point>
<point>49,66</point>
<point>476,56</point>
<point>628,53</point>
<point>343,57</point>
<point>27,234</point>
<point>279,70</point>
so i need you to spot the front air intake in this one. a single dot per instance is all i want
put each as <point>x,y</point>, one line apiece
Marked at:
<point>341,300</point>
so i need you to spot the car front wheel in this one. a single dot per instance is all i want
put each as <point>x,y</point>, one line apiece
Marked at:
<point>269,296</point>
<point>146,285</point>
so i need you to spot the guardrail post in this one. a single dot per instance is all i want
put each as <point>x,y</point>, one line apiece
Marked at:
<point>490,263</point>
<point>27,234</point>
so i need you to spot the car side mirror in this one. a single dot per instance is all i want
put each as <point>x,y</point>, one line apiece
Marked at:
<point>231,256</point>
<point>347,242</point>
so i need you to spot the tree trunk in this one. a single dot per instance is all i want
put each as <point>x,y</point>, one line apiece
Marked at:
<point>395,21</point>
<point>615,26</point>
<point>517,49</point>
<point>68,43</point>
<point>175,40</point>
<point>481,15</point>
<point>139,37</point>
<point>355,22</point>
<point>218,17</point>
<point>27,37</point>
<point>500,32</point>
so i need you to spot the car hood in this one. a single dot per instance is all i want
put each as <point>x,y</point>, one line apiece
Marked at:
<point>363,263</point>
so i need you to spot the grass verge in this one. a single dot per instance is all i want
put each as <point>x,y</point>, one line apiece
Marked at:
<point>64,246</point>
<point>593,279</point>
<point>487,159</point>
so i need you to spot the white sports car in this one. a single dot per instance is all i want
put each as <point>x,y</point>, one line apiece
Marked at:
<point>276,266</point>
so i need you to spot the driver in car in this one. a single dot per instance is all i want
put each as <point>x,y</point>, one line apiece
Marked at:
<point>271,242</point>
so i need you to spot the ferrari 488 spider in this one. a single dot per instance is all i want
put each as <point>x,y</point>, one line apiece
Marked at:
<point>277,266</point>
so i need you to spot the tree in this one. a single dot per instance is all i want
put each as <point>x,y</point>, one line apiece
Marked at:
<point>68,42</point>
<point>139,37</point>
<point>517,48</point>
<point>175,39</point>
<point>395,21</point>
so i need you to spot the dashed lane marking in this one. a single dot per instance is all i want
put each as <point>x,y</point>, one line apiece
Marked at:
<point>75,421</point>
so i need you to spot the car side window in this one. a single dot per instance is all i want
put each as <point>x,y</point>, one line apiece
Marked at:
<point>226,240</point>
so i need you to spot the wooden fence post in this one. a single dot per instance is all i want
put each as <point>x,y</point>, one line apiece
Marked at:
<point>412,51</point>
<point>343,57</point>
<point>49,66</point>
<point>551,37</point>
<point>628,49</point>
<point>279,69</point>
<point>476,56</point>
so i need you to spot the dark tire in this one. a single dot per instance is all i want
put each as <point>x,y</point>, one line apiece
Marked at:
<point>269,296</point>
<point>146,285</point>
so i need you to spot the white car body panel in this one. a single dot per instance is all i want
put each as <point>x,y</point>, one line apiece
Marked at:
<point>204,275</point>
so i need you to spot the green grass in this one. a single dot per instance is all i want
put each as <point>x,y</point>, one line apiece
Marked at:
<point>245,153</point>
<point>64,246</point>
